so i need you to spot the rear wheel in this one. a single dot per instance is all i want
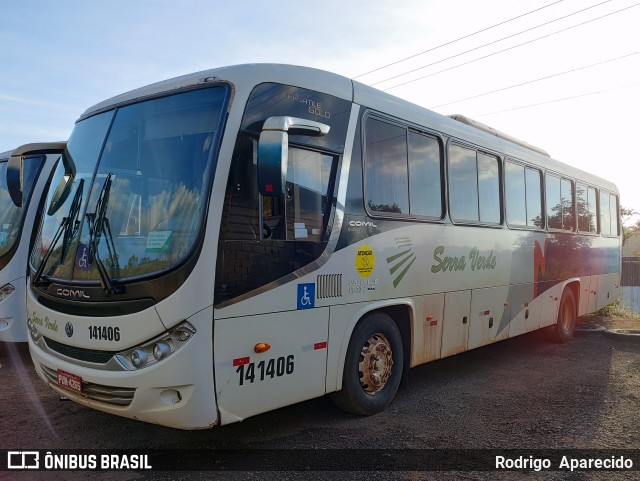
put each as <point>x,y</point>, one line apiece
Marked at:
<point>373,366</point>
<point>566,324</point>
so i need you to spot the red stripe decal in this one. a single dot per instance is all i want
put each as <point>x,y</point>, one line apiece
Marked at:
<point>241,361</point>
<point>319,345</point>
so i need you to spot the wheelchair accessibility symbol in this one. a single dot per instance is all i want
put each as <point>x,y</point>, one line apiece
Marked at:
<point>306,296</point>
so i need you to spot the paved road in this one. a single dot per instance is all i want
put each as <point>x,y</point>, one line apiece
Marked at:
<point>522,393</point>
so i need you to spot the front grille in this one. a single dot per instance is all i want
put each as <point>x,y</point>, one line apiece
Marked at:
<point>120,396</point>
<point>87,355</point>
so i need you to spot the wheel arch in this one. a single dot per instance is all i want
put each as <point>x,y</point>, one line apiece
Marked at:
<point>574,285</point>
<point>402,311</point>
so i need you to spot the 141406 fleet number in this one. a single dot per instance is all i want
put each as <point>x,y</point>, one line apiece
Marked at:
<point>266,369</point>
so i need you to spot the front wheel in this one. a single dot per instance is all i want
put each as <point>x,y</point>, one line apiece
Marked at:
<point>373,366</point>
<point>563,330</point>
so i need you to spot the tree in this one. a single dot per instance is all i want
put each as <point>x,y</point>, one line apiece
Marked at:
<point>631,229</point>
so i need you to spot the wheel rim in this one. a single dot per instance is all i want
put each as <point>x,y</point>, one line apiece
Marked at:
<point>567,315</point>
<point>376,361</point>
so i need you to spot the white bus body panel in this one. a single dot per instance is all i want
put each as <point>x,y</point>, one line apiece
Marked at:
<point>525,310</point>
<point>427,328</point>
<point>455,333</point>
<point>292,370</point>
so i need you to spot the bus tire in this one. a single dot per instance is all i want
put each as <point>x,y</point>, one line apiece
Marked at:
<point>563,330</point>
<point>373,366</point>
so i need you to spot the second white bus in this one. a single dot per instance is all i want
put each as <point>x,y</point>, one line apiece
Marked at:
<point>16,229</point>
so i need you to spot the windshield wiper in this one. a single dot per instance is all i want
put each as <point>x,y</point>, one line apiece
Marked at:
<point>99,224</point>
<point>68,226</point>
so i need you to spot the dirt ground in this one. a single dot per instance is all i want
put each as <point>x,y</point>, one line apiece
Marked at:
<point>523,393</point>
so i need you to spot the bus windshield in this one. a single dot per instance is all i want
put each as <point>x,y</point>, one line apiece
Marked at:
<point>128,196</point>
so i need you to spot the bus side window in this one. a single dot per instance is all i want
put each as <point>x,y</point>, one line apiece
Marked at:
<point>307,194</point>
<point>609,224</point>
<point>241,219</point>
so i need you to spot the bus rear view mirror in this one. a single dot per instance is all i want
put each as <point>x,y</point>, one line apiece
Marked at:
<point>14,179</point>
<point>273,150</point>
<point>64,186</point>
<point>15,166</point>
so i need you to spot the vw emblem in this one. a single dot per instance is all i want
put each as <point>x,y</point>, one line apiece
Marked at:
<point>68,328</point>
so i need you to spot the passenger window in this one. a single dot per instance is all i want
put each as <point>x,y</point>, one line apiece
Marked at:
<point>425,176</point>
<point>386,186</point>
<point>534,198</point>
<point>568,217</point>
<point>560,200</point>
<point>489,188</point>
<point>554,207</point>
<point>586,207</point>
<point>463,183</point>
<point>609,224</point>
<point>474,185</point>
<point>516,195</point>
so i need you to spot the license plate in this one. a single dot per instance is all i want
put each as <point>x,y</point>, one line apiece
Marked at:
<point>69,381</point>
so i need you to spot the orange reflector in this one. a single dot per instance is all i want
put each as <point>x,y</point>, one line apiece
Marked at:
<point>261,347</point>
<point>429,318</point>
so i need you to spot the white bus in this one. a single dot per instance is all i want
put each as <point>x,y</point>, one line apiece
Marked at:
<point>249,237</point>
<point>16,226</point>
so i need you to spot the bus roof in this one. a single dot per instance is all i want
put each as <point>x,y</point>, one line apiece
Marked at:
<point>245,76</point>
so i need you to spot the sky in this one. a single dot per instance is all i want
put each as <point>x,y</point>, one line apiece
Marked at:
<point>562,75</point>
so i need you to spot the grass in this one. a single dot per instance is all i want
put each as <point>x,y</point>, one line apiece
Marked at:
<point>616,308</point>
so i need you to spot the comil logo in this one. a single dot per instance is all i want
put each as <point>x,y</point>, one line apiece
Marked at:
<point>23,460</point>
<point>72,293</point>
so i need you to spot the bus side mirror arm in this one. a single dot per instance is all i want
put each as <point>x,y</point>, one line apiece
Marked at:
<point>273,150</point>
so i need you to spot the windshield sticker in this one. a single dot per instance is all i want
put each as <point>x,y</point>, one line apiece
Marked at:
<point>365,261</point>
<point>82,257</point>
<point>300,230</point>
<point>159,241</point>
<point>403,259</point>
<point>306,296</point>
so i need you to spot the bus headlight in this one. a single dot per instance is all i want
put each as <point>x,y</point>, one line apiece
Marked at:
<point>139,357</point>
<point>161,350</point>
<point>157,349</point>
<point>6,291</point>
